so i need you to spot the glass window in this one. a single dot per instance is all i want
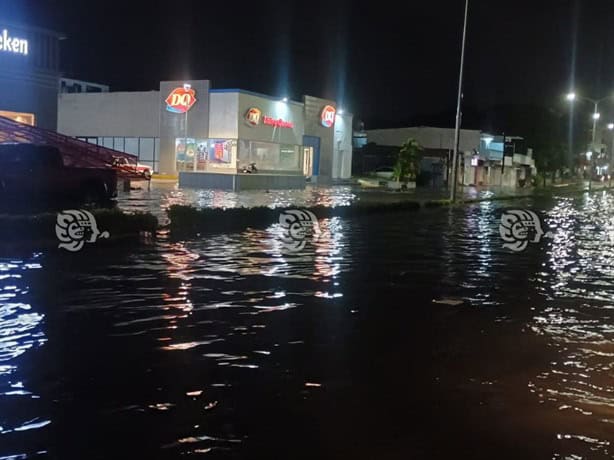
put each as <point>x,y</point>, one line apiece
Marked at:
<point>269,156</point>
<point>265,155</point>
<point>107,142</point>
<point>118,143</point>
<point>132,145</point>
<point>289,158</point>
<point>146,149</point>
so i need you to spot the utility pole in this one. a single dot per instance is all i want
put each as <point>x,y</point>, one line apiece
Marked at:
<point>458,109</point>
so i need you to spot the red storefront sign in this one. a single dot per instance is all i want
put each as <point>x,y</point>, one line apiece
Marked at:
<point>277,122</point>
<point>327,117</point>
<point>181,99</point>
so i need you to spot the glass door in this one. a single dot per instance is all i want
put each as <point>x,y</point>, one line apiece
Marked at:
<point>308,161</point>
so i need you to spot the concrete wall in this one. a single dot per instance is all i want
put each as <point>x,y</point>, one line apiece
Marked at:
<point>313,127</point>
<point>223,118</point>
<point>342,157</point>
<point>121,114</point>
<point>288,111</point>
<point>428,137</point>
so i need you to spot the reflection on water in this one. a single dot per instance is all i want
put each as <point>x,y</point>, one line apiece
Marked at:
<point>161,196</point>
<point>20,331</point>
<point>231,346</point>
<point>577,279</point>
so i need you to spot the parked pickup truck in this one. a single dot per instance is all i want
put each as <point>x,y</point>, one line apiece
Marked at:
<point>122,164</point>
<point>34,175</point>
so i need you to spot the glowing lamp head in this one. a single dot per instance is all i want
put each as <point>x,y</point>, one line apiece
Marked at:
<point>571,97</point>
<point>596,116</point>
<point>610,126</point>
<point>285,99</point>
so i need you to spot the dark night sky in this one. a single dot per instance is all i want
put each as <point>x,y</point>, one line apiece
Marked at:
<point>387,64</point>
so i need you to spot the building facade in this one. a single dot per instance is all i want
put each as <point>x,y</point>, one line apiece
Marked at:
<point>29,74</point>
<point>438,145</point>
<point>70,85</point>
<point>186,128</point>
<point>484,159</point>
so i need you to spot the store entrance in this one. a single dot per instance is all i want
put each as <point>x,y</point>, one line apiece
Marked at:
<point>311,153</point>
<point>307,161</point>
<point>20,117</point>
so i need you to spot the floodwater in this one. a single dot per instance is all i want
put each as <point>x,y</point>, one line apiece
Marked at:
<point>227,346</point>
<point>157,198</point>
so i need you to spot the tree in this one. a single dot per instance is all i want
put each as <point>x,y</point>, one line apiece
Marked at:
<point>408,161</point>
<point>550,159</point>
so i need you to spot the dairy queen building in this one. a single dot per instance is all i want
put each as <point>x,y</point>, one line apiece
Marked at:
<point>208,137</point>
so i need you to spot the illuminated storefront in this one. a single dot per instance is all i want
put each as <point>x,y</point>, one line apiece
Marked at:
<point>29,74</point>
<point>209,137</point>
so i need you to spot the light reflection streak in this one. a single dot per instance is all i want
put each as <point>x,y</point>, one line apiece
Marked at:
<point>577,281</point>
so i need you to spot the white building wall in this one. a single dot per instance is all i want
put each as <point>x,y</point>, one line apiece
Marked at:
<point>223,118</point>
<point>342,151</point>
<point>428,137</point>
<point>122,114</point>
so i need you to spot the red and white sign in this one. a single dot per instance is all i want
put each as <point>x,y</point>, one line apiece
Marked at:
<point>181,99</point>
<point>277,122</point>
<point>327,118</point>
<point>252,116</point>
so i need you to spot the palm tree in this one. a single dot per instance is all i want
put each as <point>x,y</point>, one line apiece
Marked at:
<point>406,167</point>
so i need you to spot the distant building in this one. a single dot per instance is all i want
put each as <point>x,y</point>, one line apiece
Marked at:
<point>69,85</point>
<point>483,159</point>
<point>438,145</point>
<point>29,74</point>
<point>496,162</point>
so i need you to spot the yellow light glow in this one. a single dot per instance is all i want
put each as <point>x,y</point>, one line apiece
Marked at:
<point>20,117</point>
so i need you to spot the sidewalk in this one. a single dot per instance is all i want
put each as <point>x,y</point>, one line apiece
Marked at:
<point>429,194</point>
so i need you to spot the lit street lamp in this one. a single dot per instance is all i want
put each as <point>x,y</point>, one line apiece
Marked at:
<point>571,97</point>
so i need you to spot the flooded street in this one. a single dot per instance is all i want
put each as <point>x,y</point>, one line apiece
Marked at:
<point>226,346</point>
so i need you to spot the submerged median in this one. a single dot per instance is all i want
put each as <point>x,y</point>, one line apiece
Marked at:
<point>188,220</point>
<point>114,225</point>
<point>40,229</point>
<point>185,220</point>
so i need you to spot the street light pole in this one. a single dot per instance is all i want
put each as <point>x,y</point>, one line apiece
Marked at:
<point>596,115</point>
<point>611,128</point>
<point>458,109</point>
<point>595,118</point>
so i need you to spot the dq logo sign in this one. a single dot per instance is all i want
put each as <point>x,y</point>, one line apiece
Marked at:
<point>252,116</point>
<point>180,100</point>
<point>328,116</point>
